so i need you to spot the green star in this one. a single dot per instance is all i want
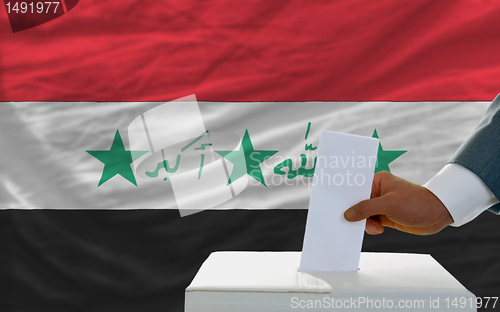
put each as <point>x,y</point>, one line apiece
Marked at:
<point>246,160</point>
<point>384,158</point>
<point>117,160</point>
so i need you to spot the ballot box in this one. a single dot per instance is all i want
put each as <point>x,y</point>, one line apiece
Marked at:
<point>271,282</point>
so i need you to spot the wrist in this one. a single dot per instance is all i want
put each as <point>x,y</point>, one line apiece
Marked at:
<point>440,214</point>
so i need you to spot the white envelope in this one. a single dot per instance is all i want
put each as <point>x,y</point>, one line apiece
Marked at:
<point>342,178</point>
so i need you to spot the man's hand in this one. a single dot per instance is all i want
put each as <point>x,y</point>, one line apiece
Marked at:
<point>401,205</point>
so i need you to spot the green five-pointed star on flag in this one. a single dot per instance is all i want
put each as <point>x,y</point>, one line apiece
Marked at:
<point>246,160</point>
<point>117,160</point>
<point>384,158</point>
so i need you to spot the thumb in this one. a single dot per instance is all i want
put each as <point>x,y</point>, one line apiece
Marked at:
<point>366,209</point>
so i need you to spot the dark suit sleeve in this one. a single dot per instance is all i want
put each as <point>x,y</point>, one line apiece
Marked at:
<point>480,153</point>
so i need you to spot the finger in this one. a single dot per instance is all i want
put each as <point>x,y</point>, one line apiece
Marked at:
<point>366,208</point>
<point>373,226</point>
<point>379,180</point>
<point>384,221</point>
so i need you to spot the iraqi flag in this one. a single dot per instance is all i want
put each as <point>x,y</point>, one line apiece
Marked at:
<point>171,78</point>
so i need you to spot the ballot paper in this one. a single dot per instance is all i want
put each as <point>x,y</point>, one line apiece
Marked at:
<point>342,178</point>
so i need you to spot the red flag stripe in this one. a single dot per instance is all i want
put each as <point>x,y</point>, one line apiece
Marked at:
<point>353,50</point>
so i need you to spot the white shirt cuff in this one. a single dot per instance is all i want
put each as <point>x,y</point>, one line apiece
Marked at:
<point>462,192</point>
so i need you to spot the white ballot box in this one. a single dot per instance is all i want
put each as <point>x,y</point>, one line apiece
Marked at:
<point>270,281</point>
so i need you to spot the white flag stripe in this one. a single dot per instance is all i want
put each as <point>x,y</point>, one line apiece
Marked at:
<point>46,163</point>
